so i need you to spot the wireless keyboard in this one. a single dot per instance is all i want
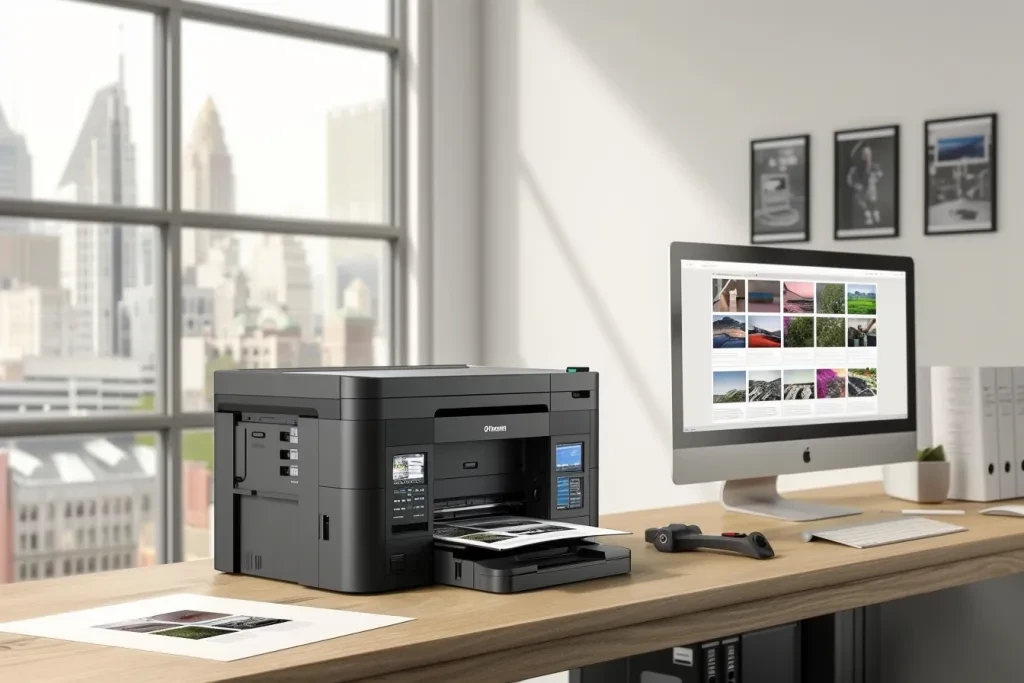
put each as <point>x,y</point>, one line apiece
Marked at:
<point>874,534</point>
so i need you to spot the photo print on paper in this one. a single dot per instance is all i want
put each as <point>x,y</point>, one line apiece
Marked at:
<point>960,178</point>
<point>867,183</point>
<point>779,190</point>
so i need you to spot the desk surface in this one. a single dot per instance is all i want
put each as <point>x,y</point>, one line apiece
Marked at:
<point>467,635</point>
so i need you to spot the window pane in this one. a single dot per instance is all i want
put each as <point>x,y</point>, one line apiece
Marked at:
<point>78,315</point>
<point>359,15</point>
<point>76,103</point>
<point>267,300</point>
<point>77,472</point>
<point>197,492</point>
<point>285,127</point>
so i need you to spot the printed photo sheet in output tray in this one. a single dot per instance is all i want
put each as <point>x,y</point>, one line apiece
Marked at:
<point>509,533</point>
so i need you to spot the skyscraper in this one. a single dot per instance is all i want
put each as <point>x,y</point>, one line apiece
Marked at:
<point>208,183</point>
<point>356,164</point>
<point>101,261</point>
<point>15,172</point>
<point>281,276</point>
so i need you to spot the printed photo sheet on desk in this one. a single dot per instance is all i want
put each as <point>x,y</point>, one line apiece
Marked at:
<point>509,533</point>
<point>223,629</point>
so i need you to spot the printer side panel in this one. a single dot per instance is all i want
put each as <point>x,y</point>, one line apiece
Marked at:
<point>225,539</point>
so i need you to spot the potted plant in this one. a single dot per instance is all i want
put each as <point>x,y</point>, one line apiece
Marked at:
<point>926,480</point>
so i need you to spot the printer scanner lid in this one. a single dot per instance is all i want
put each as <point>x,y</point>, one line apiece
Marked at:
<point>399,381</point>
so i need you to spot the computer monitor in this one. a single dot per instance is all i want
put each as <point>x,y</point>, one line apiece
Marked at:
<point>787,361</point>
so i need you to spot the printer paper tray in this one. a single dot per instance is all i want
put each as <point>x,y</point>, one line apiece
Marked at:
<point>537,567</point>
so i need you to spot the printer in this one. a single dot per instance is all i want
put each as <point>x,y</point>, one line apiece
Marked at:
<point>334,478</point>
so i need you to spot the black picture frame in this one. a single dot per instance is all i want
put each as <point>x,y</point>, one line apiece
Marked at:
<point>786,220</point>
<point>869,209</point>
<point>950,208</point>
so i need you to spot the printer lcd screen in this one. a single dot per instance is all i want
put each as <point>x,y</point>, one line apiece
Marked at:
<point>408,469</point>
<point>569,457</point>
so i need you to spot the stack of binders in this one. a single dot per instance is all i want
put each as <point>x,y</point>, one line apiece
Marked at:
<point>977,415</point>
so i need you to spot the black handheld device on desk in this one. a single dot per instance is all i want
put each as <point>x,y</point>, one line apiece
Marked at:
<point>337,478</point>
<point>678,538</point>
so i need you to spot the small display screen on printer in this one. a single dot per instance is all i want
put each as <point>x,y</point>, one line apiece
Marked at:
<point>408,469</point>
<point>569,457</point>
<point>569,493</point>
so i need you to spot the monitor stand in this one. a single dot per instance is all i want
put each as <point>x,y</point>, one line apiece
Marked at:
<point>761,497</point>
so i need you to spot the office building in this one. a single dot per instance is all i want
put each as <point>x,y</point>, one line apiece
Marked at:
<point>100,261</point>
<point>356,162</point>
<point>138,324</point>
<point>198,310</point>
<point>280,276</point>
<point>15,173</point>
<point>208,183</point>
<point>74,505</point>
<point>75,386</point>
<point>35,321</point>
<point>348,334</point>
<point>30,259</point>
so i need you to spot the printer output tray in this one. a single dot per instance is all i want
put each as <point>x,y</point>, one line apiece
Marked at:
<point>541,566</point>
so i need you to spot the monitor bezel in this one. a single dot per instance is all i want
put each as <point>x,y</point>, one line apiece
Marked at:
<point>697,251</point>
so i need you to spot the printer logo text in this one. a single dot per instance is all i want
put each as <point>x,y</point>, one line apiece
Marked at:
<point>495,428</point>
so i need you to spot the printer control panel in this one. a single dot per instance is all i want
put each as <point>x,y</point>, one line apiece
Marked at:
<point>409,488</point>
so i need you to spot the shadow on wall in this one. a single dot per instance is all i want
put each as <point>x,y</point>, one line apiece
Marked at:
<point>611,329</point>
<point>706,84</point>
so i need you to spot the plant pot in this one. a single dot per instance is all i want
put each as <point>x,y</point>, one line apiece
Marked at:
<point>919,482</point>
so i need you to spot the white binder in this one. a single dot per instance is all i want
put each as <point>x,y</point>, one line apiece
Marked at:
<point>965,423</point>
<point>1006,417</point>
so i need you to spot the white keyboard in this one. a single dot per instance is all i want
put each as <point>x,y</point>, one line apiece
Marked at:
<point>874,534</point>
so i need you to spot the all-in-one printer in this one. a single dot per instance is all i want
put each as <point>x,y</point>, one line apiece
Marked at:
<point>335,478</point>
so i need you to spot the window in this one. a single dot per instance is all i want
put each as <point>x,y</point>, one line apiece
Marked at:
<point>281,200</point>
<point>33,541</point>
<point>105,563</point>
<point>21,571</point>
<point>92,564</point>
<point>48,569</point>
<point>365,15</point>
<point>33,572</point>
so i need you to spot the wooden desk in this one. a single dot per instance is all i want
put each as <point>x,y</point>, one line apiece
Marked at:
<point>465,635</point>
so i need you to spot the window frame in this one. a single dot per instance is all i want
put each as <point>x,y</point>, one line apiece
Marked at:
<point>169,420</point>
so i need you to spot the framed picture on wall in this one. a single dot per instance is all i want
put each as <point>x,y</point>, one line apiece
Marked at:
<point>780,189</point>
<point>867,183</point>
<point>960,175</point>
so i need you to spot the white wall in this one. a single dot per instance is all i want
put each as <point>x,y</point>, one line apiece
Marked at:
<point>613,128</point>
<point>456,212</point>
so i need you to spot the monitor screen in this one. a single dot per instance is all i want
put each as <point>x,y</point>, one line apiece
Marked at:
<point>408,468</point>
<point>778,345</point>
